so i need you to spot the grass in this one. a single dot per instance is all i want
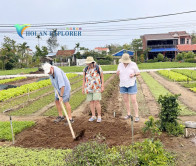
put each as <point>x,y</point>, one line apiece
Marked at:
<point>18,71</point>
<point>18,126</point>
<point>157,65</point>
<point>157,90</point>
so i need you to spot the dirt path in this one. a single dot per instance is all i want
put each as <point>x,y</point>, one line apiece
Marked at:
<point>187,97</point>
<point>151,103</point>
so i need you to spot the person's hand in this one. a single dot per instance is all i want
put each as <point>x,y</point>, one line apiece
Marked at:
<point>60,99</point>
<point>132,75</point>
<point>118,72</point>
<point>102,88</point>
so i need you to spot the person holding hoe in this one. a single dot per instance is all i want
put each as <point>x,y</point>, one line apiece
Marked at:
<point>128,71</point>
<point>93,85</point>
<point>60,83</point>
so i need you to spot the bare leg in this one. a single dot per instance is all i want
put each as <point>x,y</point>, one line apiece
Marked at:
<point>135,104</point>
<point>127,103</point>
<point>68,108</point>
<point>92,107</point>
<point>98,107</point>
<point>59,109</point>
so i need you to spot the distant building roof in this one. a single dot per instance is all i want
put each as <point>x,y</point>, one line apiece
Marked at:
<point>65,52</point>
<point>120,53</point>
<point>186,47</point>
<point>51,54</point>
<point>101,48</point>
<point>163,36</point>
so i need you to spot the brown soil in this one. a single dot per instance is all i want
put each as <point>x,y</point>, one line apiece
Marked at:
<point>50,135</point>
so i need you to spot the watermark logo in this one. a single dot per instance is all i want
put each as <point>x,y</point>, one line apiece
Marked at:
<point>20,29</point>
<point>68,31</point>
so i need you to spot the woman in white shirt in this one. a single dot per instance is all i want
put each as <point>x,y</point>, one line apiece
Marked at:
<point>127,71</point>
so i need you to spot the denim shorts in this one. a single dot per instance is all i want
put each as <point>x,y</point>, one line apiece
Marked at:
<point>129,90</point>
<point>65,98</point>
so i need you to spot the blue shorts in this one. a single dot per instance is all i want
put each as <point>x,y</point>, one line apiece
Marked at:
<point>65,98</point>
<point>129,90</point>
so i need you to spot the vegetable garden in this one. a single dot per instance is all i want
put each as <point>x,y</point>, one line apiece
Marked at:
<point>39,141</point>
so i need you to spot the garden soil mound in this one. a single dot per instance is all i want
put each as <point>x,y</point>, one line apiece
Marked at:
<point>47,134</point>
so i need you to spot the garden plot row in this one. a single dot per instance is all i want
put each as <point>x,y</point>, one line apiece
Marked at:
<point>157,89</point>
<point>13,92</point>
<point>41,102</point>
<point>25,99</point>
<point>4,81</point>
<point>187,76</point>
<point>48,97</point>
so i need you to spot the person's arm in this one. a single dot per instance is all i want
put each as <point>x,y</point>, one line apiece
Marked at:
<point>84,79</point>
<point>102,82</point>
<point>136,72</point>
<point>62,91</point>
<point>118,71</point>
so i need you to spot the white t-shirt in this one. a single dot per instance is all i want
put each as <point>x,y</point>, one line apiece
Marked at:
<point>125,79</point>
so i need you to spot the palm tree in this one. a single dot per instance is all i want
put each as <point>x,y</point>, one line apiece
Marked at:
<point>23,47</point>
<point>38,37</point>
<point>77,46</point>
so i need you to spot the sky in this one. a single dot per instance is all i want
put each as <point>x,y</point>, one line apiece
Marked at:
<point>98,35</point>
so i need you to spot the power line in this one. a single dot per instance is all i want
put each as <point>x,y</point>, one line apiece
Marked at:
<point>101,22</point>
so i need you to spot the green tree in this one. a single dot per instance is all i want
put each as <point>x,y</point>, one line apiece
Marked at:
<point>52,41</point>
<point>23,49</point>
<point>136,46</point>
<point>8,53</point>
<point>193,38</point>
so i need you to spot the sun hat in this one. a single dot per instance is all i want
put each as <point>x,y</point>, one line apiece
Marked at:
<point>46,67</point>
<point>125,58</point>
<point>89,59</point>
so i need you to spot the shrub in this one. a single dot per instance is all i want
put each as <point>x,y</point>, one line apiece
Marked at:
<point>191,60</point>
<point>91,153</point>
<point>160,57</point>
<point>142,59</point>
<point>170,111</point>
<point>152,127</point>
<point>149,153</point>
<point>174,129</point>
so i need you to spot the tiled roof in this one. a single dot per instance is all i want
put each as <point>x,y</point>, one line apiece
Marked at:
<point>65,52</point>
<point>186,47</point>
<point>162,36</point>
<point>101,49</point>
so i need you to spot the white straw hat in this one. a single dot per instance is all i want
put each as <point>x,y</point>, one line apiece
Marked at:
<point>89,59</point>
<point>125,58</point>
<point>46,67</point>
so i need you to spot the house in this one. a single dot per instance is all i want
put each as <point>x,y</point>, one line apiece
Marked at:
<point>66,56</point>
<point>29,51</point>
<point>101,50</point>
<point>165,43</point>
